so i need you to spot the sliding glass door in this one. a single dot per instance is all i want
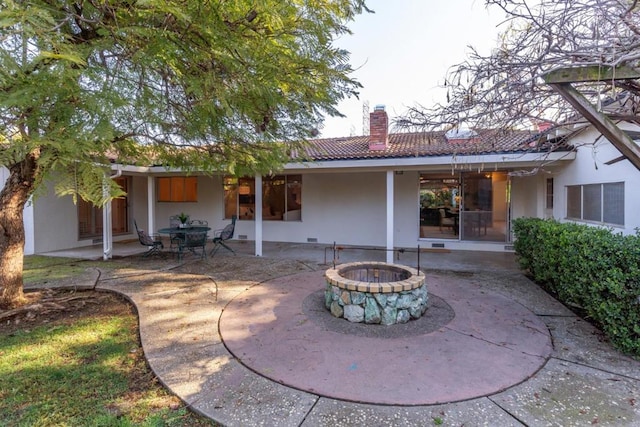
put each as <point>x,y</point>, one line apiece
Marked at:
<point>485,206</point>
<point>439,206</point>
<point>470,206</point>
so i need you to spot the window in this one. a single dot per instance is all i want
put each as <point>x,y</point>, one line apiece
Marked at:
<point>592,202</point>
<point>574,201</point>
<point>246,198</point>
<point>549,193</point>
<point>281,197</point>
<point>613,203</point>
<point>273,197</point>
<point>178,189</point>
<point>596,202</point>
<point>230,186</point>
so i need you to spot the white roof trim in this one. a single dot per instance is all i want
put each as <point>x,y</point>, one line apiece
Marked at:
<point>500,160</point>
<point>507,160</point>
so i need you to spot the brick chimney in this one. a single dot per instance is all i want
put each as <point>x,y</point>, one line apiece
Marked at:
<point>378,129</point>
<point>542,125</point>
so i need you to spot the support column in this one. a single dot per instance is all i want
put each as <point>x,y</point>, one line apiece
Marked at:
<point>258,214</point>
<point>107,222</point>
<point>151,205</point>
<point>390,206</point>
<point>107,228</point>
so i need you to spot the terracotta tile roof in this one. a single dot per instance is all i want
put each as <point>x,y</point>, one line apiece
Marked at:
<point>431,144</point>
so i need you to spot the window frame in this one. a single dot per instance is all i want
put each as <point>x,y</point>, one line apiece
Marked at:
<point>549,194</point>
<point>594,203</point>
<point>242,190</point>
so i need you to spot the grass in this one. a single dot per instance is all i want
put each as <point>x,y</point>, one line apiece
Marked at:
<point>81,374</point>
<point>39,269</point>
<point>81,368</point>
<point>45,269</point>
<point>89,372</point>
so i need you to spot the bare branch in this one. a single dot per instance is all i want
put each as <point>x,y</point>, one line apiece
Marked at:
<point>504,89</point>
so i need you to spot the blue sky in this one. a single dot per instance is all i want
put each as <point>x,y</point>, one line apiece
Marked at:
<point>403,51</point>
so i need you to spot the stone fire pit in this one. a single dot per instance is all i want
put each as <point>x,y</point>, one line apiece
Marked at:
<point>375,292</point>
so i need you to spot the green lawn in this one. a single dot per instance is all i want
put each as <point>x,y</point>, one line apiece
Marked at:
<point>81,368</point>
<point>42,269</point>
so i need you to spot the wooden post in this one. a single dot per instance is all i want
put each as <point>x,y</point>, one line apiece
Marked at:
<point>560,80</point>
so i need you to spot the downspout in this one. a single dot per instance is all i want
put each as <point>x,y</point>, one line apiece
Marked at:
<point>107,231</point>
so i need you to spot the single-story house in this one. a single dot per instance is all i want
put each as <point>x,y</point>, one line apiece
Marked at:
<point>456,190</point>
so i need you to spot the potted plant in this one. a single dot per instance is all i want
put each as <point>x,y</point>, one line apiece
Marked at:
<point>183,219</point>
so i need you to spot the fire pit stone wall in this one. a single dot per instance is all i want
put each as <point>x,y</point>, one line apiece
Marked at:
<point>375,293</point>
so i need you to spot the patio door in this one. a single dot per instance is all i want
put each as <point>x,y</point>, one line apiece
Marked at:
<point>90,217</point>
<point>439,206</point>
<point>485,207</point>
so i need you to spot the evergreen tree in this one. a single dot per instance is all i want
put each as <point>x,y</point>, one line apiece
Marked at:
<point>196,84</point>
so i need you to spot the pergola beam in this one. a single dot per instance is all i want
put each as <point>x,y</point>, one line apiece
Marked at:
<point>591,73</point>
<point>560,80</point>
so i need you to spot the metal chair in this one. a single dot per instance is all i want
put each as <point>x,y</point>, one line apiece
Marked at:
<point>198,223</point>
<point>174,238</point>
<point>221,236</point>
<point>174,221</point>
<point>446,221</point>
<point>152,241</point>
<point>193,241</point>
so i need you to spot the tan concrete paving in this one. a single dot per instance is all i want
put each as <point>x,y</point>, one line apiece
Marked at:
<point>585,381</point>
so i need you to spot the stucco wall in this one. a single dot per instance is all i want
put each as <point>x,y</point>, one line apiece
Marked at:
<point>138,206</point>
<point>209,206</point>
<point>526,195</point>
<point>60,230</point>
<point>340,207</point>
<point>407,209</point>
<point>589,168</point>
<point>56,223</point>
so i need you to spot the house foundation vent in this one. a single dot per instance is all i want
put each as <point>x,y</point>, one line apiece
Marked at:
<point>437,245</point>
<point>312,240</point>
<point>508,248</point>
<point>242,237</point>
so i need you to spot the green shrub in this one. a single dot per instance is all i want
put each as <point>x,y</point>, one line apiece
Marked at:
<point>589,267</point>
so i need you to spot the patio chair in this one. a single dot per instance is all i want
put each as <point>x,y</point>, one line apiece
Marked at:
<point>193,241</point>
<point>198,223</point>
<point>174,221</point>
<point>446,221</point>
<point>174,238</point>
<point>221,236</point>
<point>152,241</point>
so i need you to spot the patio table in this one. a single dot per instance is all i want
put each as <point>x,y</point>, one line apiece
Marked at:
<point>176,230</point>
<point>181,232</point>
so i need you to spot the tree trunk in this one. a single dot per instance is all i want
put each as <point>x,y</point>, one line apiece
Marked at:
<point>13,197</point>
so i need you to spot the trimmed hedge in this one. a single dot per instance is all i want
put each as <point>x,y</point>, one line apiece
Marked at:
<point>590,267</point>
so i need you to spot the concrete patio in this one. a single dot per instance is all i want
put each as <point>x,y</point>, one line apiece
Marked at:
<point>578,380</point>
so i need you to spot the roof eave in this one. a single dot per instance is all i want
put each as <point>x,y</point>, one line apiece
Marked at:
<point>474,161</point>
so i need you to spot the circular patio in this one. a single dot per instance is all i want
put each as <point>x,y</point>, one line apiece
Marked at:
<point>471,342</point>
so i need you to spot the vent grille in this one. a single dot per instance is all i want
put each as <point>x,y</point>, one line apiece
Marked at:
<point>312,240</point>
<point>437,245</point>
<point>242,236</point>
<point>508,248</point>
